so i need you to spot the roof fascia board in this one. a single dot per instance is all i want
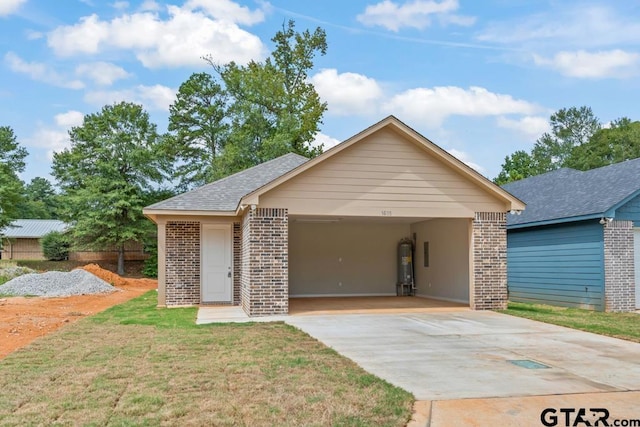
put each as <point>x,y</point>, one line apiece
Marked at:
<point>556,221</point>
<point>611,213</point>
<point>177,212</point>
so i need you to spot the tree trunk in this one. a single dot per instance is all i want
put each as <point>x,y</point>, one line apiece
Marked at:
<point>121,260</point>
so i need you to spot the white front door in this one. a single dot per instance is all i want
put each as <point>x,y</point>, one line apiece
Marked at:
<point>636,251</point>
<point>216,263</point>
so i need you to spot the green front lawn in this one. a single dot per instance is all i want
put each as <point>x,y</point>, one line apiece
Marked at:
<point>619,325</point>
<point>137,365</point>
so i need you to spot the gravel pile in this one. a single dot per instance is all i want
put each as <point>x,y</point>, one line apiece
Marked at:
<point>56,284</point>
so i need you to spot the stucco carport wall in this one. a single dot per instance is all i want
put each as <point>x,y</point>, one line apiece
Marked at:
<point>446,274</point>
<point>179,261</point>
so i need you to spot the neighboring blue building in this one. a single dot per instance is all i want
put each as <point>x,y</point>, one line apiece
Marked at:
<point>577,244</point>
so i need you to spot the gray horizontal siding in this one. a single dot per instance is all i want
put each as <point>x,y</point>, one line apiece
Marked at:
<point>558,265</point>
<point>630,211</point>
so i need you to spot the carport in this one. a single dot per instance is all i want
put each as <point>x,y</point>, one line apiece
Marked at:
<point>357,256</point>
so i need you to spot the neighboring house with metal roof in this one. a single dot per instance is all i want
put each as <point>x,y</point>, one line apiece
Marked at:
<point>21,239</point>
<point>578,242</point>
<point>330,226</point>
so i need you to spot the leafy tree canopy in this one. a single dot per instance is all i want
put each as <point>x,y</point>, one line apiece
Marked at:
<point>40,200</point>
<point>253,113</point>
<point>11,163</point>
<point>619,142</point>
<point>570,128</point>
<point>116,158</point>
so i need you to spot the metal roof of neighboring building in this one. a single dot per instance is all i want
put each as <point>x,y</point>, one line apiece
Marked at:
<point>32,228</point>
<point>568,194</point>
<point>226,193</point>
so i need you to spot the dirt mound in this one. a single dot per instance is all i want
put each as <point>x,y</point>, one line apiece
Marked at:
<point>106,275</point>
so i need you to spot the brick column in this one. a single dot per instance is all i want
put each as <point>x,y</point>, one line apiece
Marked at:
<point>182,263</point>
<point>489,261</point>
<point>265,262</point>
<point>237,261</point>
<point>619,274</point>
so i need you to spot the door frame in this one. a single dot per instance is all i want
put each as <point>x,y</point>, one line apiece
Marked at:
<point>636,274</point>
<point>228,227</point>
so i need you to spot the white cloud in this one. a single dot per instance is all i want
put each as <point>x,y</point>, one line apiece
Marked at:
<point>532,126</point>
<point>227,10</point>
<point>415,14</point>
<point>40,72</point>
<point>593,65</point>
<point>155,97</point>
<point>102,73</point>
<point>182,39</point>
<point>7,7</point>
<point>574,25</point>
<point>432,106</point>
<point>465,158</point>
<point>347,93</point>
<point>325,140</point>
<point>149,5</point>
<point>55,138</point>
<point>120,5</point>
<point>69,119</point>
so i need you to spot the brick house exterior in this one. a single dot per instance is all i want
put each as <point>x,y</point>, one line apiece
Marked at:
<point>383,191</point>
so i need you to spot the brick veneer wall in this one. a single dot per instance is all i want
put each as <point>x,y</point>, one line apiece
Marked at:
<point>182,263</point>
<point>619,273</point>
<point>265,262</point>
<point>237,261</point>
<point>490,261</point>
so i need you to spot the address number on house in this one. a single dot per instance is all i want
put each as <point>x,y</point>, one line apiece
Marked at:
<point>386,213</point>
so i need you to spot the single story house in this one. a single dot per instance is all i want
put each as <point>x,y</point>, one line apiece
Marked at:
<point>21,239</point>
<point>578,242</point>
<point>330,226</point>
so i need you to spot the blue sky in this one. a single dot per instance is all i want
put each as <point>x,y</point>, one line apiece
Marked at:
<point>480,79</point>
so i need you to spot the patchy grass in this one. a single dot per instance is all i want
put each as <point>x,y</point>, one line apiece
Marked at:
<point>618,325</point>
<point>135,364</point>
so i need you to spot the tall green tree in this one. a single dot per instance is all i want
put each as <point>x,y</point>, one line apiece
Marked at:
<point>517,166</point>
<point>570,127</point>
<point>199,130</point>
<point>115,159</point>
<point>273,109</point>
<point>619,142</point>
<point>40,200</point>
<point>12,157</point>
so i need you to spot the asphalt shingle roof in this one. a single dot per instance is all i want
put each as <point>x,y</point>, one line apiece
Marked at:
<point>32,228</point>
<point>567,193</point>
<point>226,193</point>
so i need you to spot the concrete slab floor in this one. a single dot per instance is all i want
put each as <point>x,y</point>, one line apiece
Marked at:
<point>463,355</point>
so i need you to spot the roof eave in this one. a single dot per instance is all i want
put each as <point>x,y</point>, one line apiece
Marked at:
<point>556,221</point>
<point>153,214</point>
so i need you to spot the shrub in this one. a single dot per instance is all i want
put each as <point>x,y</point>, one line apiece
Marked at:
<point>150,268</point>
<point>55,246</point>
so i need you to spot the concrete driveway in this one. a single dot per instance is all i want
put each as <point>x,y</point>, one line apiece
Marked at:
<point>471,354</point>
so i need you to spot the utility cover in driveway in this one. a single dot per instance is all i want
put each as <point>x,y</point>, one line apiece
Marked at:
<point>438,356</point>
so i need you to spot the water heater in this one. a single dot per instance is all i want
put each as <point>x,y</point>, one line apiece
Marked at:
<point>405,284</point>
